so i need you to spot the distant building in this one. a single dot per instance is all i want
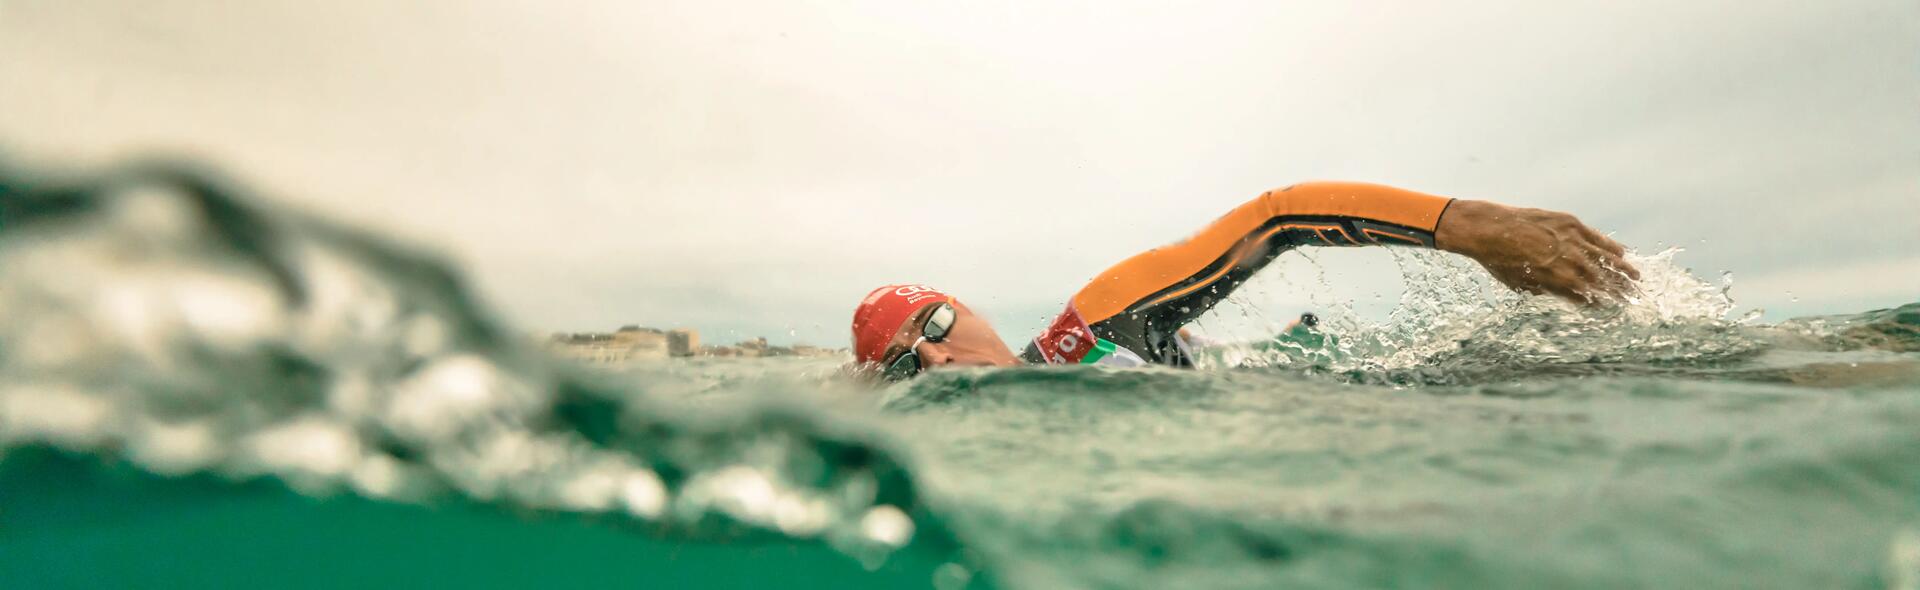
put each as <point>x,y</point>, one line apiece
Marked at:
<point>637,343</point>
<point>683,342</point>
<point>630,343</point>
<point>641,343</point>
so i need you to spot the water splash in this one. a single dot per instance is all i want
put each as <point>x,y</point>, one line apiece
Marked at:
<point>1453,317</point>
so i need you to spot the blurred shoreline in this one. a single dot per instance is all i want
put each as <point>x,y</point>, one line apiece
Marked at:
<point>633,343</point>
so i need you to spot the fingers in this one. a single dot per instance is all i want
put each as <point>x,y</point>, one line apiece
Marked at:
<point>1517,277</point>
<point>1616,253</point>
<point>1570,278</point>
<point>1598,282</point>
<point>1614,275</point>
<point>1572,291</point>
<point>1594,286</point>
<point>1586,275</point>
<point>1617,263</point>
<point>1602,241</point>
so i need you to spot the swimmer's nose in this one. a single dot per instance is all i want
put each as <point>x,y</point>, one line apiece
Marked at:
<point>935,355</point>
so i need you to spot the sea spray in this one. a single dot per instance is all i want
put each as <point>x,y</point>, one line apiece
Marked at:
<point>1453,316</point>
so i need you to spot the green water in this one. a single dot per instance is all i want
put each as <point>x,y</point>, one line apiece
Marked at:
<point>198,391</point>
<point>75,522</point>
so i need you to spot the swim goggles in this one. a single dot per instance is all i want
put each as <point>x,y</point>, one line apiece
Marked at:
<point>934,330</point>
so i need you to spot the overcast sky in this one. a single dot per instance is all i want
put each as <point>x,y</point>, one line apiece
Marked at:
<point>754,168</point>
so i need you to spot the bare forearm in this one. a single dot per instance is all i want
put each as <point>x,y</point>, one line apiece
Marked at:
<point>1536,250</point>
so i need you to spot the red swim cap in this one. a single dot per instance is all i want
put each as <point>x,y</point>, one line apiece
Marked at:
<point>883,311</point>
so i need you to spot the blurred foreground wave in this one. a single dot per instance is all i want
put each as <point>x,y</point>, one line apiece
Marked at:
<point>175,360</point>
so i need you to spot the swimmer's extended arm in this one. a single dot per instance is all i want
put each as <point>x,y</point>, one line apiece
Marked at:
<point>1196,273</point>
<point>1140,302</point>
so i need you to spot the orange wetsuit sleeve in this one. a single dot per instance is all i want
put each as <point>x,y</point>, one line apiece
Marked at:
<point>1141,301</point>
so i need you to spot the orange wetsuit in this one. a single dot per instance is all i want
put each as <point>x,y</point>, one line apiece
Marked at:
<point>1131,313</point>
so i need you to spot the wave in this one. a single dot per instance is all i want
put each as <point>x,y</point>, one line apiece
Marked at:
<point>152,316</point>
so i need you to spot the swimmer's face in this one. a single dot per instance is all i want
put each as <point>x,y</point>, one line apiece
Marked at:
<point>971,342</point>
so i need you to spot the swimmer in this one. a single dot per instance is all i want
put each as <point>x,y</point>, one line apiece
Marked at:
<point>1302,336</point>
<point>1131,314</point>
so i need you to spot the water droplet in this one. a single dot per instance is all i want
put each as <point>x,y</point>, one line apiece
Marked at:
<point>888,525</point>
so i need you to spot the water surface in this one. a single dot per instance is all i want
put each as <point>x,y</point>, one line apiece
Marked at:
<point>198,390</point>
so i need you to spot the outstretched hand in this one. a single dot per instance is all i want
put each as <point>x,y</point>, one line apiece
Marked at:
<point>1537,251</point>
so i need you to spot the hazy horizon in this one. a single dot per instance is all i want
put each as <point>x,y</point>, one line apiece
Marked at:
<point>753,170</point>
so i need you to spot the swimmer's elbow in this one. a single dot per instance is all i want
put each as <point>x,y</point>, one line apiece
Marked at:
<point>1358,200</point>
<point>1292,198</point>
